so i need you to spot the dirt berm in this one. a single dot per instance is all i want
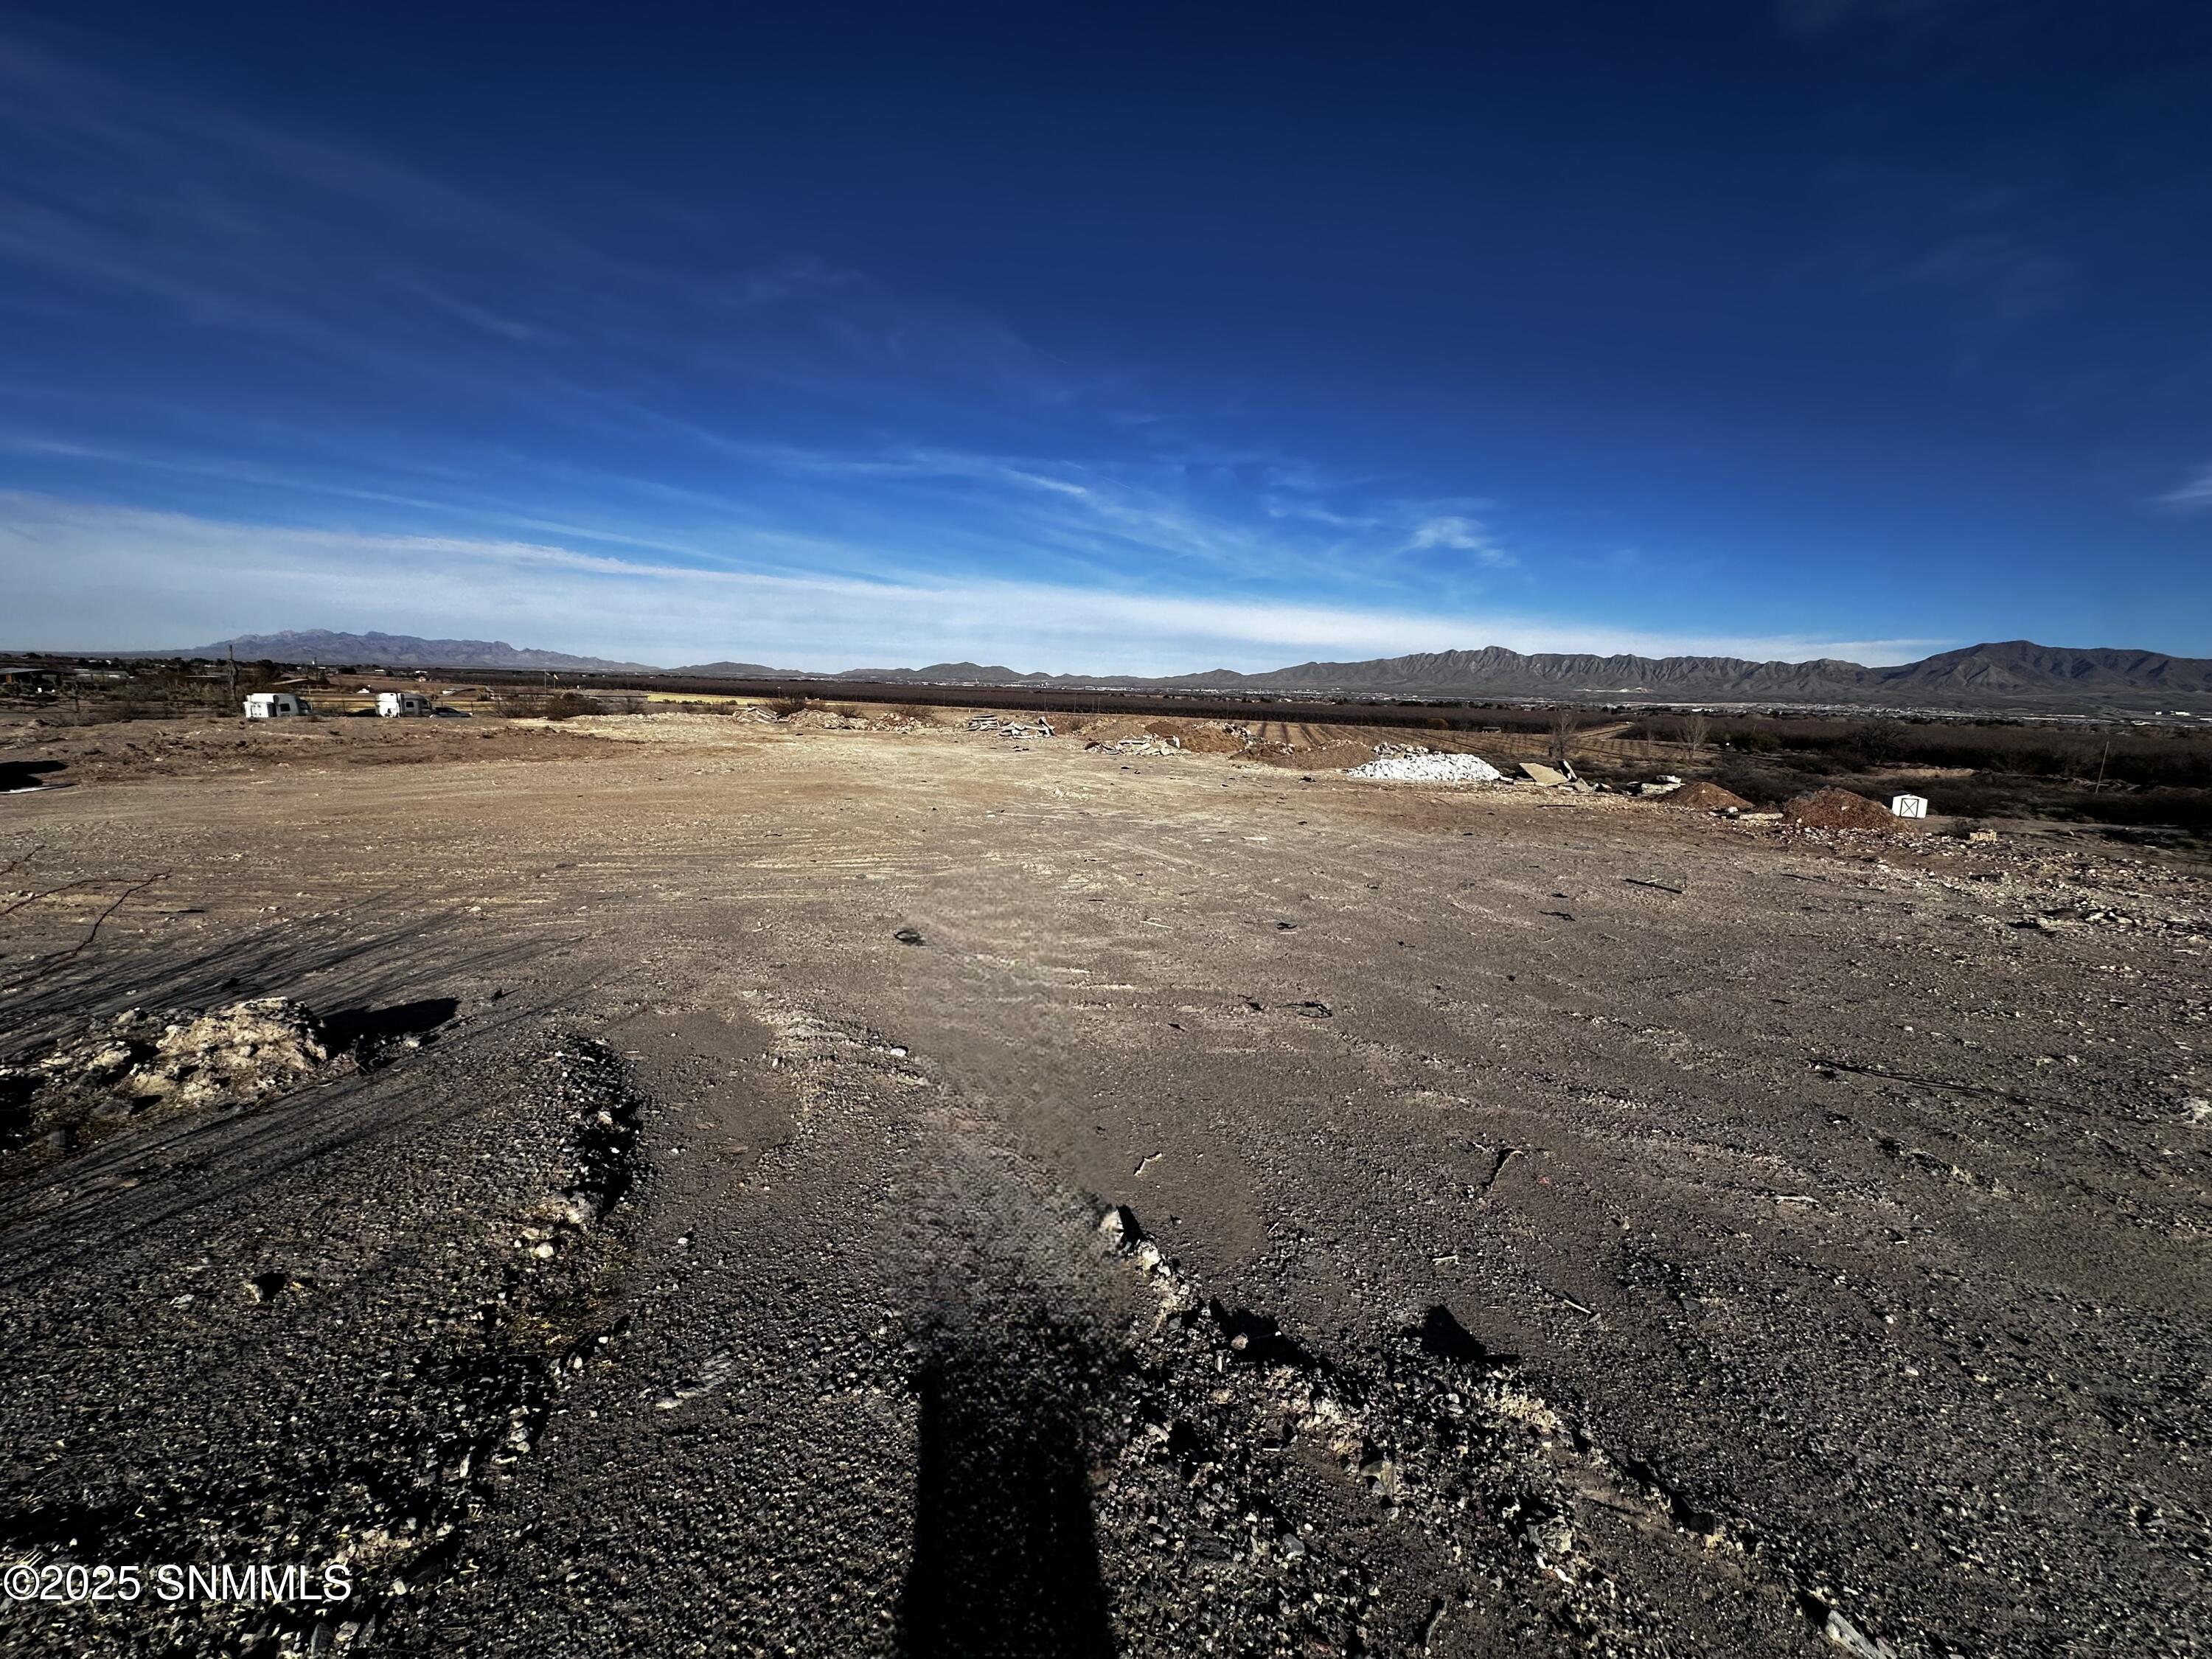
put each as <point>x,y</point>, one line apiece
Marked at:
<point>1836,809</point>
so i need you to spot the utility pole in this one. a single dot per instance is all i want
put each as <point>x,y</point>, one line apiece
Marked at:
<point>233,670</point>
<point>2101,759</point>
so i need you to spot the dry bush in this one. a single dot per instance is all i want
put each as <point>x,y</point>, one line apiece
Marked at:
<point>1565,724</point>
<point>784,708</point>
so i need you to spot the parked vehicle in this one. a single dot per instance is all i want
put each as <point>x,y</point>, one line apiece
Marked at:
<point>277,705</point>
<point>404,705</point>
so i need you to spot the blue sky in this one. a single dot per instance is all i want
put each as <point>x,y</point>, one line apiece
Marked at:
<point>1126,336</point>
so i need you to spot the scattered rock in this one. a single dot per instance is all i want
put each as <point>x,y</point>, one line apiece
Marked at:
<point>1854,1641</point>
<point>1119,1228</point>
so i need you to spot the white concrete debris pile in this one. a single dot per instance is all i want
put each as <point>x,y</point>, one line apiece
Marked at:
<point>1006,728</point>
<point>1418,765</point>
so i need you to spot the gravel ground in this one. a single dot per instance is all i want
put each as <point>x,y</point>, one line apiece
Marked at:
<point>738,1190</point>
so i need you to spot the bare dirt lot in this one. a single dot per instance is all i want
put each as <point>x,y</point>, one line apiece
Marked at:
<point>739,1190</point>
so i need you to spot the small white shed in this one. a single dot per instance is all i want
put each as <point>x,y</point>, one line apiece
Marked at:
<point>403,705</point>
<point>1909,806</point>
<point>274,705</point>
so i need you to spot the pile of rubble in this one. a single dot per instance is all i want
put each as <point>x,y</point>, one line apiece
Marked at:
<point>1558,775</point>
<point>1412,763</point>
<point>137,1063</point>
<point>1039,727</point>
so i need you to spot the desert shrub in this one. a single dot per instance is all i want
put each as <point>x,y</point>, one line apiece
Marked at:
<point>784,708</point>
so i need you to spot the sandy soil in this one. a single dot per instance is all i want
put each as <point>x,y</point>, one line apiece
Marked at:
<point>1536,1223</point>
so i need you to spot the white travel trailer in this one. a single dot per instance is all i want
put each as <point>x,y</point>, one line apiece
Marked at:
<point>403,705</point>
<point>1909,806</point>
<point>276,705</point>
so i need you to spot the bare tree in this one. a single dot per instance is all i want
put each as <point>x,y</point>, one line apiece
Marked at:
<point>1696,731</point>
<point>1564,726</point>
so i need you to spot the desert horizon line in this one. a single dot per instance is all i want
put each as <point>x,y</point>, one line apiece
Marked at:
<point>411,642</point>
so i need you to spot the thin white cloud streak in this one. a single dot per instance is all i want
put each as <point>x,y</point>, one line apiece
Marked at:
<point>90,577</point>
<point>1459,534</point>
<point>345,255</point>
<point>1099,509</point>
<point>2192,494</point>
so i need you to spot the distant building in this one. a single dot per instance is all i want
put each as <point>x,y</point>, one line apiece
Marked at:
<point>1909,806</point>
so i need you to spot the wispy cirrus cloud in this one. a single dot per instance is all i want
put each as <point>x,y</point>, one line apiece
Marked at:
<point>129,577</point>
<point>794,391</point>
<point>756,440</point>
<point>1459,534</point>
<point>2192,494</point>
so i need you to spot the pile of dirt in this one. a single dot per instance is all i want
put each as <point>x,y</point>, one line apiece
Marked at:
<point>1203,737</point>
<point>1326,757</point>
<point>1708,797</point>
<point>1114,728</point>
<point>137,1063</point>
<point>1836,809</point>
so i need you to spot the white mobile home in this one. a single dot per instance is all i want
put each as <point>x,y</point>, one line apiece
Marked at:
<point>403,705</point>
<point>277,705</point>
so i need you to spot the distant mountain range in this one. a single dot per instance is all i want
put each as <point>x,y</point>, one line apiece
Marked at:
<point>2015,674</point>
<point>320,645</point>
<point>2011,672</point>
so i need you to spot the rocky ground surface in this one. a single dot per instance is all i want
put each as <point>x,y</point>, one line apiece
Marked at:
<point>747,1189</point>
